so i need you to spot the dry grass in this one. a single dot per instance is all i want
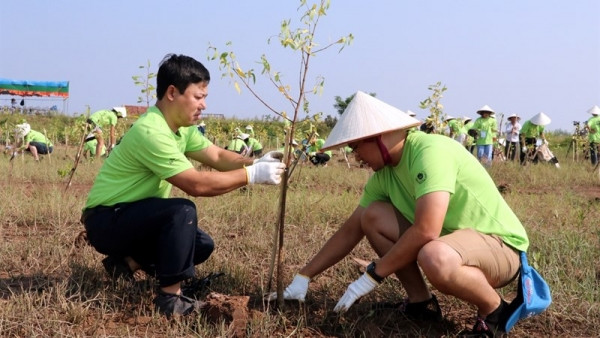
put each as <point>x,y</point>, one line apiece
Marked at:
<point>50,287</point>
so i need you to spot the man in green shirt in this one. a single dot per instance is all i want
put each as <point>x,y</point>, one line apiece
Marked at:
<point>530,132</point>
<point>593,127</point>
<point>128,215</point>
<point>101,120</point>
<point>316,154</point>
<point>486,127</point>
<point>429,205</point>
<point>32,141</point>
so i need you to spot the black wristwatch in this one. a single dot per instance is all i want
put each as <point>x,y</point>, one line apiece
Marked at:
<point>371,272</point>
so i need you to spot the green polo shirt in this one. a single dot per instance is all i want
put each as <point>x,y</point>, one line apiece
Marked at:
<point>432,163</point>
<point>103,118</point>
<point>148,154</point>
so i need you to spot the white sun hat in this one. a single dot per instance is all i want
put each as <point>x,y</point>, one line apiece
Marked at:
<point>449,117</point>
<point>121,111</point>
<point>22,129</point>
<point>540,119</point>
<point>466,118</point>
<point>514,115</point>
<point>595,110</point>
<point>202,124</point>
<point>243,136</point>
<point>248,127</point>
<point>364,117</point>
<point>485,109</point>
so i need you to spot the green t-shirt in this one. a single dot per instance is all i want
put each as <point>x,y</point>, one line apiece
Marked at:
<point>487,128</point>
<point>91,147</point>
<point>454,126</point>
<point>436,163</point>
<point>319,143</point>
<point>469,139</point>
<point>148,153</point>
<point>104,118</point>
<point>594,123</point>
<point>254,144</point>
<point>530,130</point>
<point>36,136</point>
<point>237,145</point>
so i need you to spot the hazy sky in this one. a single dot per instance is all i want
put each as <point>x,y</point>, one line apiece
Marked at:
<point>517,56</point>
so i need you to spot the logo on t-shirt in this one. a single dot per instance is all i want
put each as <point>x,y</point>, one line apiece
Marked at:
<point>421,177</point>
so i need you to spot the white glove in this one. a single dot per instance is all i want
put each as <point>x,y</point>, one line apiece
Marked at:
<point>265,173</point>
<point>296,290</point>
<point>271,156</point>
<point>524,149</point>
<point>357,289</point>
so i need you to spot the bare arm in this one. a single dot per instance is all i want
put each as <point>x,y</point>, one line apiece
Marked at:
<point>429,218</point>
<point>337,247</point>
<point>112,136</point>
<point>208,183</point>
<point>219,158</point>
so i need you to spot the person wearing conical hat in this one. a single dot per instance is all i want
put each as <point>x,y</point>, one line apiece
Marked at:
<point>429,206</point>
<point>486,127</point>
<point>238,145</point>
<point>593,127</point>
<point>102,119</point>
<point>202,128</point>
<point>249,130</point>
<point>454,126</point>
<point>512,130</point>
<point>530,132</point>
<point>32,141</point>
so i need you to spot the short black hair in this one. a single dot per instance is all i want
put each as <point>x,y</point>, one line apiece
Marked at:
<point>179,71</point>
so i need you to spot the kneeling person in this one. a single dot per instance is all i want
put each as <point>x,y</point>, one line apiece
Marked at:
<point>429,205</point>
<point>128,215</point>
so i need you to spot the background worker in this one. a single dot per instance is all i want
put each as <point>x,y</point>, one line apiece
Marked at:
<point>128,214</point>
<point>101,120</point>
<point>249,130</point>
<point>202,128</point>
<point>429,206</point>
<point>512,129</point>
<point>32,141</point>
<point>593,127</point>
<point>486,127</point>
<point>530,132</point>
<point>90,147</point>
<point>238,145</point>
<point>255,146</point>
<point>315,153</point>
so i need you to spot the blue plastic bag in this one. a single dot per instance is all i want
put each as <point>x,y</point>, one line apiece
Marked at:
<point>533,295</point>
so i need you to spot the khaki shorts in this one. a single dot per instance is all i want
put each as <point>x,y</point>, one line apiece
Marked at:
<point>499,262</point>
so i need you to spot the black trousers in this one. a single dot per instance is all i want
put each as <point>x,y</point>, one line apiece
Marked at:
<point>320,159</point>
<point>529,141</point>
<point>510,150</point>
<point>157,231</point>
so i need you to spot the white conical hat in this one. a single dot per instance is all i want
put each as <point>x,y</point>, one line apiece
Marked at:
<point>485,108</point>
<point>595,110</point>
<point>466,118</point>
<point>121,111</point>
<point>449,117</point>
<point>513,115</point>
<point>365,117</point>
<point>540,119</point>
<point>22,129</point>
